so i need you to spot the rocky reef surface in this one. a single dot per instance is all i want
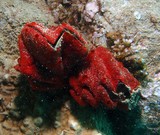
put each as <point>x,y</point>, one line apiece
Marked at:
<point>23,111</point>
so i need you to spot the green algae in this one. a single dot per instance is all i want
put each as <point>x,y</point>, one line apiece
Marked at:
<point>108,122</point>
<point>111,122</point>
<point>133,100</point>
<point>46,105</point>
<point>92,118</point>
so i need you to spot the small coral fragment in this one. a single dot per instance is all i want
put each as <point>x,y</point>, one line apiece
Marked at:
<point>121,47</point>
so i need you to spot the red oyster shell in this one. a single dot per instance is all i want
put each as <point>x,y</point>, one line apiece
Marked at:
<point>55,58</point>
<point>48,55</point>
<point>99,81</point>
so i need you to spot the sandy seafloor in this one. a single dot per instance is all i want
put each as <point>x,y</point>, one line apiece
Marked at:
<point>25,112</point>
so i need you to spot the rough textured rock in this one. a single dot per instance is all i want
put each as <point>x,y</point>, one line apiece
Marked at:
<point>139,20</point>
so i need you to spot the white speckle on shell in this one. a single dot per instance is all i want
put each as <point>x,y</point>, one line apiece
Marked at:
<point>58,44</point>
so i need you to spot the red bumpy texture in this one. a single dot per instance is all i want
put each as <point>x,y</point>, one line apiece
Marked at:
<point>50,58</point>
<point>99,80</point>
<point>47,56</point>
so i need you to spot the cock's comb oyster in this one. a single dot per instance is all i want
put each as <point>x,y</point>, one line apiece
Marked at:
<point>56,57</point>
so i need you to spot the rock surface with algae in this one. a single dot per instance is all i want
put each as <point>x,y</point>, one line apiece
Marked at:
<point>23,111</point>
